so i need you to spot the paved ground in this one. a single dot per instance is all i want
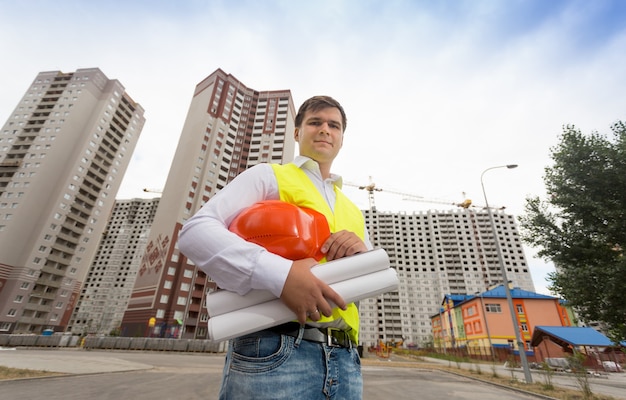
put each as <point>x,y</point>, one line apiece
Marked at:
<point>148,375</point>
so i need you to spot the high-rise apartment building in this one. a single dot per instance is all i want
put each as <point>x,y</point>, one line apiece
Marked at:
<point>63,153</point>
<point>229,128</point>
<point>437,253</point>
<point>111,278</point>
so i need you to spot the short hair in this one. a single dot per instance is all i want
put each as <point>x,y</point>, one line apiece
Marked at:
<point>317,103</point>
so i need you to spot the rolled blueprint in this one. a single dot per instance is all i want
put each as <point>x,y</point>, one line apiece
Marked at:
<point>224,301</point>
<point>275,312</point>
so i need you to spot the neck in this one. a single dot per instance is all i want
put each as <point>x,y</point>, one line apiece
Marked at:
<point>324,167</point>
<point>324,170</point>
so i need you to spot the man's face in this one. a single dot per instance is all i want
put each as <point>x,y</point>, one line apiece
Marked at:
<point>321,135</point>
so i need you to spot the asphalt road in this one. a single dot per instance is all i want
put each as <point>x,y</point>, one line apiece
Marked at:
<point>181,376</point>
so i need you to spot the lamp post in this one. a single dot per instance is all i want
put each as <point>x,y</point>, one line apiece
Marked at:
<point>507,290</point>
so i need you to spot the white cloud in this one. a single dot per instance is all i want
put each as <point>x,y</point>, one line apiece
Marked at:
<point>435,92</point>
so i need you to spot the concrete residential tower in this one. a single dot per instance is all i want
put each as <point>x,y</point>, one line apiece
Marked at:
<point>111,278</point>
<point>229,128</point>
<point>437,253</point>
<point>63,154</point>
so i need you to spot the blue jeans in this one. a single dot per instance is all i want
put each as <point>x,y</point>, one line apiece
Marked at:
<point>267,365</point>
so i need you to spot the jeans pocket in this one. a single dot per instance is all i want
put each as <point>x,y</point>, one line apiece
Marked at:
<point>260,352</point>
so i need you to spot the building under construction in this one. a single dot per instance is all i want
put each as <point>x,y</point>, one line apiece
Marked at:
<point>437,253</point>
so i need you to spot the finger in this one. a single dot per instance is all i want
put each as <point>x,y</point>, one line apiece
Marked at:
<point>302,317</point>
<point>332,239</point>
<point>340,248</point>
<point>331,299</point>
<point>333,245</point>
<point>314,315</point>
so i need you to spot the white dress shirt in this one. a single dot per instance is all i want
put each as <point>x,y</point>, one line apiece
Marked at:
<point>233,263</point>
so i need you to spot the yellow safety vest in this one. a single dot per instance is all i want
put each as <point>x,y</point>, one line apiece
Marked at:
<point>295,187</point>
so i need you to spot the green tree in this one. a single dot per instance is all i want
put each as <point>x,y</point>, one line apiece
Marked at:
<point>581,225</point>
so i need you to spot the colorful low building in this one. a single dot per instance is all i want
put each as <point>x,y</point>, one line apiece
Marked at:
<point>482,322</point>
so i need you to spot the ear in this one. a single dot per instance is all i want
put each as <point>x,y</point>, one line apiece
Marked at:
<point>296,133</point>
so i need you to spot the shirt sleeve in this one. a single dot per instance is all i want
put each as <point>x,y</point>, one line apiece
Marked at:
<point>233,263</point>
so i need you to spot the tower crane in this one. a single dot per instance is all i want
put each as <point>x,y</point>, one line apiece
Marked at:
<point>467,203</point>
<point>371,188</point>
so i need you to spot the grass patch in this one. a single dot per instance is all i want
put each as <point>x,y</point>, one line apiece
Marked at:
<point>18,373</point>
<point>476,373</point>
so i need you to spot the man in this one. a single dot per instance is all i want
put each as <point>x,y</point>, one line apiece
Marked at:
<point>316,357</point>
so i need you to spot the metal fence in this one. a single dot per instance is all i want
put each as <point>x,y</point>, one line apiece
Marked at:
<point>497,354</point>
<point>39,340</point>
<point>114,343</point>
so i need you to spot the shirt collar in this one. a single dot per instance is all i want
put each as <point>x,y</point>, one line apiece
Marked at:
<point>312,165</point>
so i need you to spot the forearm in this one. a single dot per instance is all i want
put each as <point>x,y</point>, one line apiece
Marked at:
<point>230,261</point>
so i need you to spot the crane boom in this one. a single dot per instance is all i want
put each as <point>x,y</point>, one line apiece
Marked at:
<point>371,188</point>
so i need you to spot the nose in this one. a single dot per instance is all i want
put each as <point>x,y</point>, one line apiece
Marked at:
<point>324,128</point>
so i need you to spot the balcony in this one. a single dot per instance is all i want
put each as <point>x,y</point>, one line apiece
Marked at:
<point>43,295</point>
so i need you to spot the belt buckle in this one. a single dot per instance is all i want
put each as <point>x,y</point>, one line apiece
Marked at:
<point>329,338</point>
<point>332,341</point>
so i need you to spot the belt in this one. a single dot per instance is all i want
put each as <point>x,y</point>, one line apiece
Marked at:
<point>332,337</point>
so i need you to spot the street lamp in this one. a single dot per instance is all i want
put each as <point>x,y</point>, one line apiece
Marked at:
<point>507,290</point>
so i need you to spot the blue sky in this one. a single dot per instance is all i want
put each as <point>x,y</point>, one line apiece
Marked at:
<point>435,91</point>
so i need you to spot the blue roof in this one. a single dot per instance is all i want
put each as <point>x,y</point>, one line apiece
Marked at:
<point>497,292</point>
<point>456,298</point>
<point>573,335</point>
<point>516,293</point>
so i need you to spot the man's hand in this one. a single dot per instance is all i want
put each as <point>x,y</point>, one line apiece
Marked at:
<point>306,295</point>
<point>341,244</point>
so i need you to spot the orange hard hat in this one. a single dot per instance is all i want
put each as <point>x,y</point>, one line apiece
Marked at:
<point>283,228</point>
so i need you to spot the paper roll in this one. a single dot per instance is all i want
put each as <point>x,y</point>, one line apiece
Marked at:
<point>275,312</point>
<point>224,301</point>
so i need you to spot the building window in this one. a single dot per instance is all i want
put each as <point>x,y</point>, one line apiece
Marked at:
<point>493,308</point>
<point>181,301</point>
<point>164,298</point>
